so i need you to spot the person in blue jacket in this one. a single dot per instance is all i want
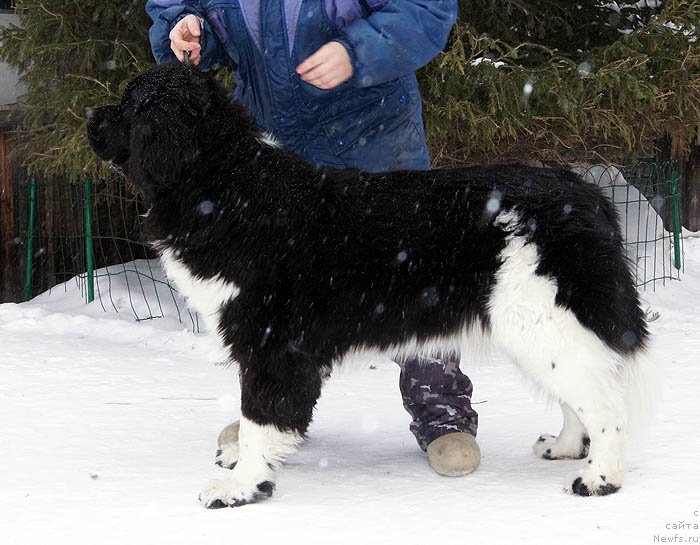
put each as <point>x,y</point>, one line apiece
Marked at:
<point>333,81</point>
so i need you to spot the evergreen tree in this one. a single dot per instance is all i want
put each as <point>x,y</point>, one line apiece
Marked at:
<point>72,55</point>
<point>561,81</point>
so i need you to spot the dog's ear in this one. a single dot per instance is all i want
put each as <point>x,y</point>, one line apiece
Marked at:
<point>166,142</point>
<point>108,134</point>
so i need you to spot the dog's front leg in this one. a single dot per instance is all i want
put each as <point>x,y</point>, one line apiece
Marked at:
<point>277,401</point>
<point>263,448</point>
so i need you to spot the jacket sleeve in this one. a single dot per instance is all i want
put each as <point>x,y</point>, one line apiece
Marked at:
<point>397,39</point>
<point>165,14</point>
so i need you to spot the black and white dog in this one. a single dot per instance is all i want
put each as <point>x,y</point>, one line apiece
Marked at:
<point>295,267</point>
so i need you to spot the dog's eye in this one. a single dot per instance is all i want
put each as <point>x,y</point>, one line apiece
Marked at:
<point>132,110</point>
<point>135,100</point>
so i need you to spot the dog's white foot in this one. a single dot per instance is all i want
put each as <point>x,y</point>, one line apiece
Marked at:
<point>233,493</point>
<point>227,456</point>
<point>563,447</point>
<point>589,482</point>
<point>263,449</point>
<point>228,451</point>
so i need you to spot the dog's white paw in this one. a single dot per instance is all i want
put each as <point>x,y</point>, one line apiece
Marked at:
<point>227,456</point>
<point>550,447</point>
<point>588,482</point>
<point>232,493</point>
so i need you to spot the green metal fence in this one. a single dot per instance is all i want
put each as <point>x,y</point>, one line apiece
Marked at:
<point>89,236</point>
<point>647,197</point>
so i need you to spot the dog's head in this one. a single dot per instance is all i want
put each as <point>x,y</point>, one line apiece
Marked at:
<point>167,118</point>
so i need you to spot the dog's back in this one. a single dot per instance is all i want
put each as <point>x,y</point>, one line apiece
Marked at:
<point>433,242</point>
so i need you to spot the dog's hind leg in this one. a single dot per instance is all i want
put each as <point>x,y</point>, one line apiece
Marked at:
<point>586,381</point>
<point>581,372</point>
<point>601,407</point>
<point>609,398</point>
<point>567,360</point>
<point>571,443</point>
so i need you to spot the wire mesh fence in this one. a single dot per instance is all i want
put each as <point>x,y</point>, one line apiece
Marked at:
<point>89,237</point>
<point>646,196</point>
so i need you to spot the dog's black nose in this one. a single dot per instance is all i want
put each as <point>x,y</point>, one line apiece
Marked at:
<point>89,114</point>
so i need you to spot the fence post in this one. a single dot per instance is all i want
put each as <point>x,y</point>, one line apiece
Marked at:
<point>30,240</point>
<point>89,250</point>
<point>675,210</point>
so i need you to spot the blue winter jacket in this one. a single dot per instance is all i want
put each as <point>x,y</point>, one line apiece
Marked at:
<point>373,121</point>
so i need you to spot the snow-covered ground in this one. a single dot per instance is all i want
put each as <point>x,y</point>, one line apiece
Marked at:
<point>109,430</point>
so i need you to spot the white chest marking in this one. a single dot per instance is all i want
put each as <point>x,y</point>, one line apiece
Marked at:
<point>205,295</point>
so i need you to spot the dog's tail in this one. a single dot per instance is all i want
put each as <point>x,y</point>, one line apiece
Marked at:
<point>640,377</point>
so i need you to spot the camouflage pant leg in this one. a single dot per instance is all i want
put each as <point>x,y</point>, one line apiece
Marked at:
<point>438,397</point>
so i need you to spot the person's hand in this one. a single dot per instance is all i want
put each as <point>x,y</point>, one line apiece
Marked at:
<point>185,37</point>
<point>328,67</point>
